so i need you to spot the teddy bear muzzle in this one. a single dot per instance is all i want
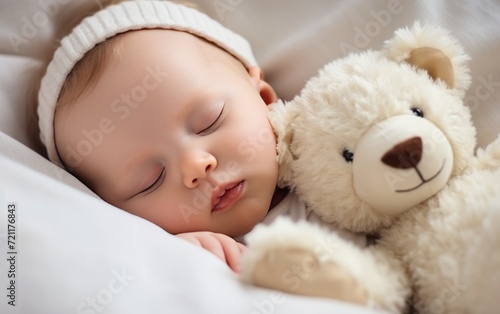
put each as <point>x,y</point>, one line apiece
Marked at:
<point>400,162</point>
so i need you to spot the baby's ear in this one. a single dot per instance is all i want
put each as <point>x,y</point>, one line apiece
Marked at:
<point>281,121</point>
<point>433,49</point>
<point>267,93</point>
<point>265,90</point>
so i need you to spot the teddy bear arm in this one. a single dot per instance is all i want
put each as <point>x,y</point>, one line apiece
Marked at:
<point>489,158</point>
<point>306,275</point>
<point>304,259</point>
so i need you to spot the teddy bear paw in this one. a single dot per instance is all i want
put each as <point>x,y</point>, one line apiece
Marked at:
<point>304,259</point>
<point>299,271</point>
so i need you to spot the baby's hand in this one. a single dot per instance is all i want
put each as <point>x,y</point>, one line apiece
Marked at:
<point>224,247</point>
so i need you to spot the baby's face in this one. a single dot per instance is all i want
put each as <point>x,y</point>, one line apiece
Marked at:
<point>174,131</point>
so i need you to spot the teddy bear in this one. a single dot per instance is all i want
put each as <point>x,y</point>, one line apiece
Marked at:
<point>381,143</point>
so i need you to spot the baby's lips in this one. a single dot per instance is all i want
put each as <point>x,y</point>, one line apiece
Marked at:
<point>231,192</point>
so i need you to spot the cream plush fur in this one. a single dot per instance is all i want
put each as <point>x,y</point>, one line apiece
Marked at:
<point>381,142</point>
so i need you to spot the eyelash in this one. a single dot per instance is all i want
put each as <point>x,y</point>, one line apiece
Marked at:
<point>208,128</point>
<point>155,184</point>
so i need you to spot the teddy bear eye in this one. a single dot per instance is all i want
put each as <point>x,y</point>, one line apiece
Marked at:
<point>348,155</point>
<point>418,112</point>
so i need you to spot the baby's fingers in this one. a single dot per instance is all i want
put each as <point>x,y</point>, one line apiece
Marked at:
<point>212,244</point>
<point>222,246</point>
<point>232,251</point>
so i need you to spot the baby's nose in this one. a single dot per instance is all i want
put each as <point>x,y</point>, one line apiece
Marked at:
<point>196,167</point>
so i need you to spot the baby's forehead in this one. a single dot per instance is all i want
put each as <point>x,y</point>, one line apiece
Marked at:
<point>178,46</point>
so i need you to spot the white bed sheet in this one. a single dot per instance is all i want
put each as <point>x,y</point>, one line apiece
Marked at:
<point>74,250</point>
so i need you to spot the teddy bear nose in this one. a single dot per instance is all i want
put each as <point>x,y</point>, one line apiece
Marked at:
<point>404,155</point>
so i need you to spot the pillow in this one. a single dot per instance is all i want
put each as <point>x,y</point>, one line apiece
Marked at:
<point>12,149</point>
<point>17,79</point>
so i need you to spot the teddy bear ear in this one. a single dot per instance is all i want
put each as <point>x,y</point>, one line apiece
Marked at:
<point>434,49</point>
<point>281,121</point>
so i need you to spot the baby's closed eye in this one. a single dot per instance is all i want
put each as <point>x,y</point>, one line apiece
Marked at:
<point>213,121</point>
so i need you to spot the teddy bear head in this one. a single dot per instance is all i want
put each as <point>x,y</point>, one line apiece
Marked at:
<point>378,132</point>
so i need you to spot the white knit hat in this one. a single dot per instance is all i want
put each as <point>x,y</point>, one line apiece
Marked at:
<point>119,18</point>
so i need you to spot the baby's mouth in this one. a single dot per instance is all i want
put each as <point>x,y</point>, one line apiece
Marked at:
<point>225,196</point>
